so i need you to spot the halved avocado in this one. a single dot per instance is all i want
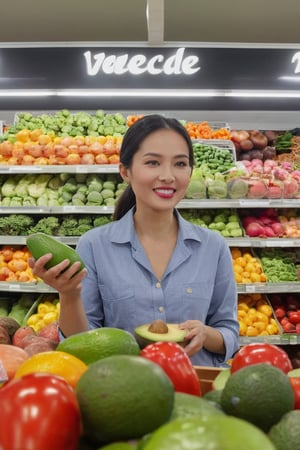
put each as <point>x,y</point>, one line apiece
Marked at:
<point>158,331</point>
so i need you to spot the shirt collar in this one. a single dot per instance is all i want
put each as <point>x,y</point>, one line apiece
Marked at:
<point>123,230</point>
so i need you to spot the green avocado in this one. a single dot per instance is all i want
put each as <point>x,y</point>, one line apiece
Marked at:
<point>158,331</point>
<point>40,243</point>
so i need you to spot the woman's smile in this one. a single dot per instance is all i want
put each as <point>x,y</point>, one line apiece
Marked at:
<point>164,192</point>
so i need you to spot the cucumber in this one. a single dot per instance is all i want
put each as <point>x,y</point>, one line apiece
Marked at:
<point>40,243</point>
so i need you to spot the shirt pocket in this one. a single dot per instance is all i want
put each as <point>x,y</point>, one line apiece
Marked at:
<point>192,300</point>
<point>119,305</point>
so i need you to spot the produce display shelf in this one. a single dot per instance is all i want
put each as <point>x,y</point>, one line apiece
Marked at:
<point>82,209</point>
<point>241,288</point>
<point>21,240</point>
<point>25,210</point>
<point>67,209</point>
<point>232,242</point>
<point>278,339</point>
<point>76,168</point>
<point>38,287</point>
<point>246,241</point>
<point>268,288</point>
<point>209,203</point>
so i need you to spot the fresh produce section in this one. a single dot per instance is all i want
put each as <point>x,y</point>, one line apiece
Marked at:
<point>75,183</point>
<point>157,387</point>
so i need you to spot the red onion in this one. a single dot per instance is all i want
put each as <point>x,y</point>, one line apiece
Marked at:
<point>255,230</point>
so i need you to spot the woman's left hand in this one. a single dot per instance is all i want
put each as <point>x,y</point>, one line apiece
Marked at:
<point>195,337</point>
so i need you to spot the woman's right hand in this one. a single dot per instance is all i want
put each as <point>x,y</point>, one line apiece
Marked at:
<point>61,277</point>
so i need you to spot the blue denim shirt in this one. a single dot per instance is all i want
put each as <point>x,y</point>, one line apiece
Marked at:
<point>122,291</point>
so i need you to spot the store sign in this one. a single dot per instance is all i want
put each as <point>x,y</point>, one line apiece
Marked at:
<point>83,67</point>
<point>139,64</point>
<point>225,70</point>
<point>296,60</point>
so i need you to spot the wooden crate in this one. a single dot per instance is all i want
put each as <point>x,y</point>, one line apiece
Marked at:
<point>206,376</point>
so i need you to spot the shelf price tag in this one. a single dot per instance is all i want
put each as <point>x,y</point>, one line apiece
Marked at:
<point>250,288</point>
<point>69,208</point>
<point>14,287</point>
<point>250,203</point>
<point>82,168</point>
<point>15,169</point>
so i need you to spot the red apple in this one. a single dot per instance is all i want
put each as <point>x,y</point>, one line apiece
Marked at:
<point>20,334</point>
<point>50,332</point>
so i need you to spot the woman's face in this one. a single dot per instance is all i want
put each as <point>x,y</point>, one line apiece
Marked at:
<point>160,171</point>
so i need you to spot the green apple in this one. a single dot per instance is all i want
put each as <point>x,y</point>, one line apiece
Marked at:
<point>220,380</point>
<point>294,373</point>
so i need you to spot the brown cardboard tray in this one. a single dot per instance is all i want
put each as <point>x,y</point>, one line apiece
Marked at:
<point>206,376</point>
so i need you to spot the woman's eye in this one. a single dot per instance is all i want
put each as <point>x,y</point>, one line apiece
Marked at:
<point>181,164</point>
<point>152,163</point>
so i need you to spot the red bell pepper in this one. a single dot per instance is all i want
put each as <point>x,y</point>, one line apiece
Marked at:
<point>171,357</point>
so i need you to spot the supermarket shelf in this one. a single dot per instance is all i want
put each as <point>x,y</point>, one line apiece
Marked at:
<point>25,210</point>
<point>263,242</point>
<point>241,288</point>
<point>67,209</point>
<point>78,168</point>
<point>37,287</point>
<point>184,204</point>
<point>232,242</point>
<point>21,240</point>
<point>279,339</point>
<point>268,288</point>
<point>209,203</point>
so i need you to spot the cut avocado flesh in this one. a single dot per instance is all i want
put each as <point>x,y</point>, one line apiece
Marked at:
<point>220,380</point>
<point>145,337</point>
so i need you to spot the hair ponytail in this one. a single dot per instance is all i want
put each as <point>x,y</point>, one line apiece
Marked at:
<point>125,202</point>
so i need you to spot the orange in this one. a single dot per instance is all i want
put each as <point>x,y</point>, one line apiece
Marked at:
<point>265,309</point>
<point>56,362</point>
<point>255,277</point>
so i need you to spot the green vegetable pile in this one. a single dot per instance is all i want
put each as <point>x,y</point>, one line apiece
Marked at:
<point>65,123</point>
<point>215,158</point>
<point>226,222</point>
<point>60,189</point>
<point>278,265</point>
<point>65,225</point>
<point>284,142</point>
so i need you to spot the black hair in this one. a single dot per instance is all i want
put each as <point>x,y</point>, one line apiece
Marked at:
<point>132,140</point>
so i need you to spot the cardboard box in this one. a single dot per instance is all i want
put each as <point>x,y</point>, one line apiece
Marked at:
<point>206,376</point>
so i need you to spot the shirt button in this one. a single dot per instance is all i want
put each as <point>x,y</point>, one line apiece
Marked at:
<point>161,309</point>
<point>189,290</point>
<point>158,285</point>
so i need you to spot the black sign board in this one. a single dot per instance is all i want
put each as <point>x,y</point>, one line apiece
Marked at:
<point>223,69</point>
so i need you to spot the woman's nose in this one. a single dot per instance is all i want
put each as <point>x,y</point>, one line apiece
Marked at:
<point>166,176</point>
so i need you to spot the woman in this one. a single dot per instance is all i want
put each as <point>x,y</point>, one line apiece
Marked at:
<point>150,263</point>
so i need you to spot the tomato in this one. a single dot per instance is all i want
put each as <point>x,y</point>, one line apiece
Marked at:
<point>261,353</point>
<point>280,312</point>
<point>294,317</point>
<point>295,381</point>
<point>39,411</point>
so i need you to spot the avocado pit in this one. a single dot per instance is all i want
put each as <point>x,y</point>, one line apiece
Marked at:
<point>158,326</point>
<point>158,331</point>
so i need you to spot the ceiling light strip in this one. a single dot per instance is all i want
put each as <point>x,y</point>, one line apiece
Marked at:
<point>185,93</point>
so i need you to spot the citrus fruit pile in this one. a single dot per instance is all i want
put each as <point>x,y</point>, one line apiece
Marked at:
<point>97,391</point>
